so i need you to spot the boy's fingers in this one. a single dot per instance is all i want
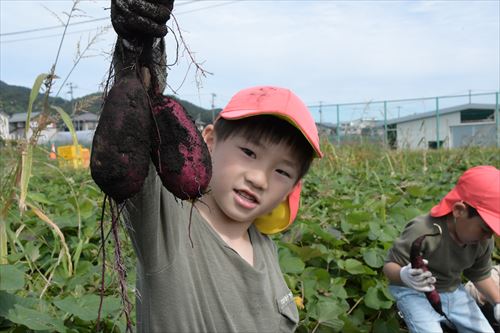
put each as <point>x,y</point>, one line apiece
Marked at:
<point>130,24</point>
<point>157,12</point>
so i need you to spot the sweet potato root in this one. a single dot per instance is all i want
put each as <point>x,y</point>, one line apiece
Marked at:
<point>179,153</point>
<point>417,261</point>
<point>121,145</point>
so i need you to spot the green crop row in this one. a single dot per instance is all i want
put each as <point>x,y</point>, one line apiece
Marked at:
<point>355,201</point>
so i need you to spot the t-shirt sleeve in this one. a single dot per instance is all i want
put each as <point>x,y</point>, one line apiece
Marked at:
<point>151,218</point>
<point>481,268</point>
<point>400,251</point>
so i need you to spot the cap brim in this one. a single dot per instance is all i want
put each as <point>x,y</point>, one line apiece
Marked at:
<point>491,219</point>
<point>445,206</point>
<point>240,114</point>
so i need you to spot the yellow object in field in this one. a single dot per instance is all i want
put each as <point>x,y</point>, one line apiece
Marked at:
<point>299,302</point>
<point>73,156</point>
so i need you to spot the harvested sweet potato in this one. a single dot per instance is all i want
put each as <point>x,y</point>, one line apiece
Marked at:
<point>119,161</point>
<point>417,261</point>
<point>179,152</point>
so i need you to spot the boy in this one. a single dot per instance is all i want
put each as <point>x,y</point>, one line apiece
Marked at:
<point>228,279</point>
<point>467,217</point>
<point>208,266</point>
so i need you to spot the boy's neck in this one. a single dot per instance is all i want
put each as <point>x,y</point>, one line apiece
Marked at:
<point>451,224</point>
<point>234,233</point>
<point>227,229</point>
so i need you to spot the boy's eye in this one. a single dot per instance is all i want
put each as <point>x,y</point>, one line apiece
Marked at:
<point>247,152</point>
<point>284,173</point>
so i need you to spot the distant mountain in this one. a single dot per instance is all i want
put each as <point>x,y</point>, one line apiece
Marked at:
<point>14,99</point>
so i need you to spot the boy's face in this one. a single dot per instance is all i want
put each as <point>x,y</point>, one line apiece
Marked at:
<point>248,179</point>
<point>470,229</point>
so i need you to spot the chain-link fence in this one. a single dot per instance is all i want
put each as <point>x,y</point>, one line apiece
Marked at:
<point>417,123</point>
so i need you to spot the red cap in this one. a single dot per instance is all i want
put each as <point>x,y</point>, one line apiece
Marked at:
<point>282,103</point>
<point>275,101</point>
<point>478,187</point>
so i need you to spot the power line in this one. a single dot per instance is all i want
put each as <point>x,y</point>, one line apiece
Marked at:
<point>49,36</point>
<point>50,28</point>
<point>106,18</point>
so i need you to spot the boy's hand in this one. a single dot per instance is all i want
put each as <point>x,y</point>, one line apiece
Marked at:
<point>496,312</point>
<point>417,279</point>
<point>136,19</point>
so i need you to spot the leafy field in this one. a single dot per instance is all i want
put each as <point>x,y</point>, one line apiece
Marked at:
<point>355,202</point>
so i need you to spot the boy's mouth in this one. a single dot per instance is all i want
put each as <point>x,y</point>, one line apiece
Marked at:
<point>247,195</point>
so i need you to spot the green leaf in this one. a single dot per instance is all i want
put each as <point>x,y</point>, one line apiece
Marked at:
<point>11,278</point>
<point>416,190</point>
<point>35,320</point>
<point>87,306</point>
<point>26,165</point>
<point>376,299</point>
<point>86,209</point>
<point>305,252</point>
<point>40,198</point>
<point>389,326</point>
<point>374,257</point>
<point>7,302</point>
<point>318,231</point>
<point>327,312</point>
<point>358,217</point>
<point>32,251</point>
<point>33,95</point>
<point>69,124</point>
<point>291,265</point>
<point>353,266</point>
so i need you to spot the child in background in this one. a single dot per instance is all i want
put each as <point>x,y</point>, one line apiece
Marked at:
<point>467,216</point>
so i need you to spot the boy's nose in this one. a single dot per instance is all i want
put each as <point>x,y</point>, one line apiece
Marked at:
<point>257,178</point>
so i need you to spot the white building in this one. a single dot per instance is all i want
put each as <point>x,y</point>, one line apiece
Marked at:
<point>85,121</point>
<point>17,125</point>
<point>4,125</point>
<point>458,126</point>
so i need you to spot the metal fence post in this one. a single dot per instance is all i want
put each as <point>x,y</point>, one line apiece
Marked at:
<point>437,123</point>
<point>338,124</point>
<point>497,115</point>
<point>385,123</point>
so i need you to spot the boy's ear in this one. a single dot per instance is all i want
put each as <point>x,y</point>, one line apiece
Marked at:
<point>459,209</point>
<point>208,135</point>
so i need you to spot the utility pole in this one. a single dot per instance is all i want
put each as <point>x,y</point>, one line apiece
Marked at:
<point>320,112</point>
<point>70,92</point>
<point>213,107</point>
<point>71,87</point>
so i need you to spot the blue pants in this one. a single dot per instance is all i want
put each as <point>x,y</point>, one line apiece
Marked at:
<point>458,305</point>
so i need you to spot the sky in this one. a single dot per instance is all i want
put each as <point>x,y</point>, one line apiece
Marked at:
<point>327,52</point>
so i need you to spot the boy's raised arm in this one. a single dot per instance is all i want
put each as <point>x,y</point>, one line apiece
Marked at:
<point>122,141</point>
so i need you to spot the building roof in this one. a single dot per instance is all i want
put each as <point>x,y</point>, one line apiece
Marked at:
<point>432,114</point>
<point>86,116</point>
<point>21,117</point>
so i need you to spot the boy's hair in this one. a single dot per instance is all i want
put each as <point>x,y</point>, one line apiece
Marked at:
<point>272,129</point>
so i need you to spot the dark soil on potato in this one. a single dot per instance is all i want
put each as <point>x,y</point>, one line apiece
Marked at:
<point>179,152</point>
<point>121,144</point>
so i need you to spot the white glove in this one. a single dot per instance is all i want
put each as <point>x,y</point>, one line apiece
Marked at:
<point>496,312</point>
<point>417,279</point>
